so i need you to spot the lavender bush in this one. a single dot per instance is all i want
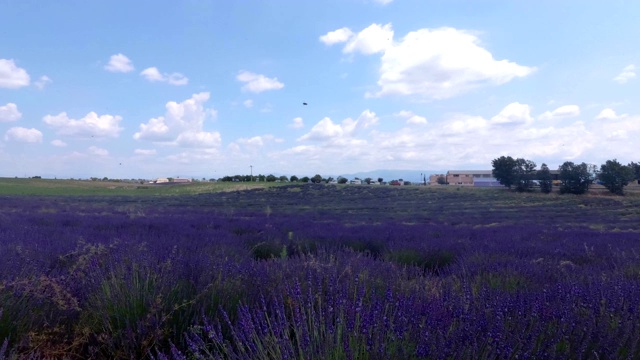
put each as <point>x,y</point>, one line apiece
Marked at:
<point>318,272</point>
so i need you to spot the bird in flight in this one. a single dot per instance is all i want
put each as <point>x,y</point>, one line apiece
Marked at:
<point>304,103</point>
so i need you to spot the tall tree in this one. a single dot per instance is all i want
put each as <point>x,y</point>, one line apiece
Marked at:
<point>525,171</point>
<point>504,170</point>
<point>574,178</point>
<point>615,176</point>
<point>317,179</point>
<point>544,176</point>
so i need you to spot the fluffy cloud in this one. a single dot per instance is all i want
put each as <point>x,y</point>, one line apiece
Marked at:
<point>257,83</point>
<point>373,39</point>
<point>326,129</point>
<point>58,143</point>
<point>562,112</point>
<point>252,147</point>
<point>119,63</point>
<point>153,75</point>
<point>297,123</point>
<point>411,118</point>
<point>336,36</point>
<point>609,114</point>
<point>431,63</point>
<point>145,152</point>
<point>92,125</point>
<point>465,140</point>
<point>628,73</point>
<point>9,112</point>
<point>182,125</point>
<point>441,63</point>
<point>199,139</point>
<point>11,76</point>
<point>43,81</point>
<point>514,113</point>
<point>94,150</point>
<point>21,134</point>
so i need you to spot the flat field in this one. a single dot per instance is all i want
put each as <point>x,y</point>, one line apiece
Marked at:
<point>317,272</point>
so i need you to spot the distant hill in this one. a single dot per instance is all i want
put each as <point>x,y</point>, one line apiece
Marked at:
<point>388,175</point>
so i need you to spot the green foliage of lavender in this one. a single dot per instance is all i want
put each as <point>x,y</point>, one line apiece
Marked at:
<point>325,273</point>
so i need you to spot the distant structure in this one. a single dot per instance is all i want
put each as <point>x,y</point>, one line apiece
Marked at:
<point>172,181</point>
<point>477,178</point>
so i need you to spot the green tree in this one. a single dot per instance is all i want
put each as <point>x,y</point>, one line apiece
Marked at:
<point>368,180</point>
<point>316,179</point>
<point>304,179</point>
<point>380,180</point>
<point>330,179</point>
<point>441,180</point>
<point>525,172</point>
<point>283,178</point>
<point>574,178</point>
<point>271,178</point>
<point>342,180</point>
<point>504,170</point>
<point>615,176</point>
<point>635,168</point>
<point>293,178</point>
<point>544,176</point>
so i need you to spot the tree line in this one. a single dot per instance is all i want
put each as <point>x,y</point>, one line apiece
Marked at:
<point>317,179</point>
<point>522,175</point>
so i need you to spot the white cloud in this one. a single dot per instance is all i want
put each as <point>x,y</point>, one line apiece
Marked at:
<point>252,147</point>
<point>432,63</point>
<point>514,113</point>
<point>297,123</point>
<point>198,156</point>
<point>258,83</point>
<point>248,103</point>
<point>628,73</point>
<point>326,129</point>
<point>609,114</point>
<point>373,39</point>
<point>152,74</point>
<point>182,125</point>
<point>412,118</point>
<point>336,36</point>
<point>58,143</point>
<point>562,112</point>
<point>94,150</point>
<point>11,76</point>
<point>9,112</point>
<point>145,152</point>
<point>199,139</point>
<point>383,2</point>
<point>43,81</point>
<point>21,134</point>
<point>92,125</point>
<point>119,63</point>
<point>462,140</point>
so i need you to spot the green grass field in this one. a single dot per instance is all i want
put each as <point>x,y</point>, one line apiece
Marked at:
<point>22,186</point>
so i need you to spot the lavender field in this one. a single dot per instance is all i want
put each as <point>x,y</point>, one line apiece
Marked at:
<point>321,272</point>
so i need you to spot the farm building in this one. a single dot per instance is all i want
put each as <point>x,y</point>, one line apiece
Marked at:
<point>467,177</point>
<point>478,178</point>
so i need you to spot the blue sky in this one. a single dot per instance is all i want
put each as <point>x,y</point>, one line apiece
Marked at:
<point>147,89</point>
